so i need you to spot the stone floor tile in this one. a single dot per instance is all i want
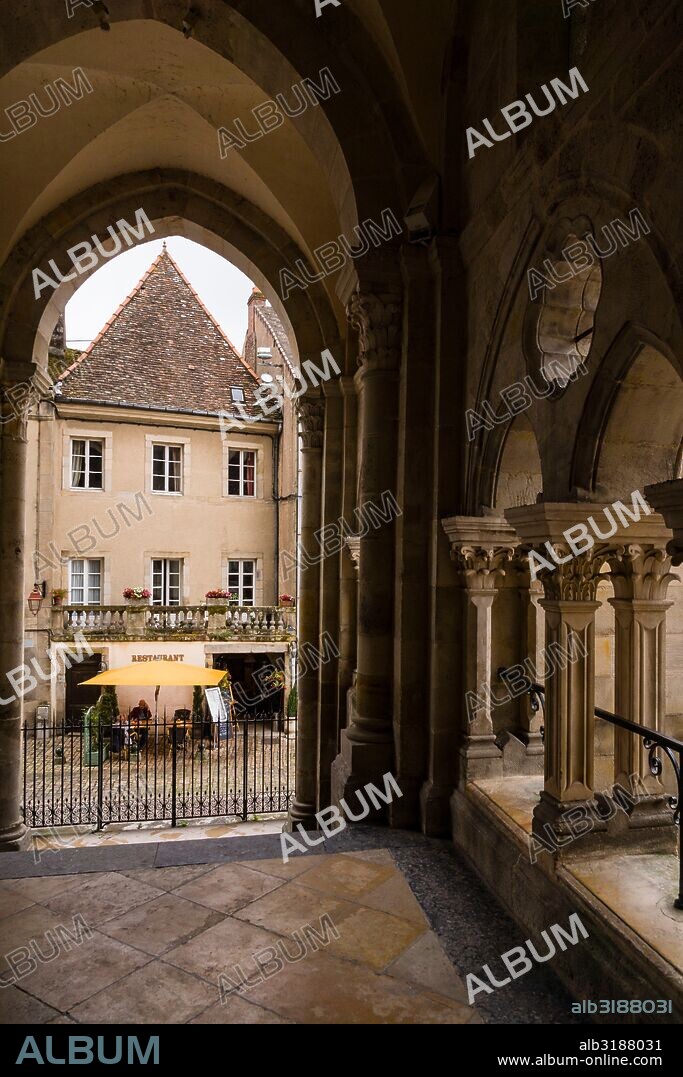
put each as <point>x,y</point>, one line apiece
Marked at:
<point>18,1008</point>
<point>347,877</point>
<point>374,856</point>
<point>219,949</point>
<point>156,994</point>
<point>40,888</point>
<point>228,887</point>
<point>86,969</point>
<point>12,901</point>
<point>425,964</point>
<point>237,1011</point>
<point>160,924</point>
<point>102,897</point>
<point>294,867</point>
<point>19,929</point>
<point>395,896</point>
<point>322,989</point>
<point>294,906</point>
<point>374,938</point>
<point>168,878</point>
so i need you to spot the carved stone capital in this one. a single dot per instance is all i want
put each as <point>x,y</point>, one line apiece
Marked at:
<point>377,317</point>
<point>482,566</point>
<point>576,579</point>
<point>640,572</point>
<point>21,387</point>
<point>312,418</point>
<point>353,546</point>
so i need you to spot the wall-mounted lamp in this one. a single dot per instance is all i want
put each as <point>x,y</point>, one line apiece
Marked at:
<point>35,599</point>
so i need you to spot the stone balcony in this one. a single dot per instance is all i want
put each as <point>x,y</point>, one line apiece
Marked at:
<point>200,622</point>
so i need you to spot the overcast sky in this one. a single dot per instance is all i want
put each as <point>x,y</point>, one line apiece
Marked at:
<point>220,285</point>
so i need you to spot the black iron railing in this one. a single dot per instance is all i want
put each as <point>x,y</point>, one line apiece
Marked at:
<point>163,769</point>
<point>654,742</point>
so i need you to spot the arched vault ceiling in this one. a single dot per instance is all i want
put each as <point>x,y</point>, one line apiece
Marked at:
<point>158,101</point>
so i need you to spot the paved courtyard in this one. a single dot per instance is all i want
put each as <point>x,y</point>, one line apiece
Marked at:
<point>144,933</point>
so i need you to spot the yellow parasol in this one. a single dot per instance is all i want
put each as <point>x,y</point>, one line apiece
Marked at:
<point>157,674</point>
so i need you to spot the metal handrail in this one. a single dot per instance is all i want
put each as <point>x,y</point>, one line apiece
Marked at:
<point>653,741</point>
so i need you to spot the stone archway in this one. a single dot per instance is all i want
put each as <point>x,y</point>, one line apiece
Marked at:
<point>230,227</point>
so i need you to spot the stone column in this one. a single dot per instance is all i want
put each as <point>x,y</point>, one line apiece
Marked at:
<point>570,608</point>
<point>311,416</point>
<point>449,452</point>
<point>13,436</point>
<point>413,534</point>
<point>332,543</point>
<point>641,577</point>
<point>348,569</point>
<point>481,550</point>
<point>367,748</point>
<point>532,635</point>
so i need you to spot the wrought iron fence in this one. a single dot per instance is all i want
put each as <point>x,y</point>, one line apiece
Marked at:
<point>164,769</point>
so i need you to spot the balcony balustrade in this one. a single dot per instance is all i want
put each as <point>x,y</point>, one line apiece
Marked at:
<point>174,622</point>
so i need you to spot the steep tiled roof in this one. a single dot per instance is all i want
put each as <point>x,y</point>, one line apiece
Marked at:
<point>161,349</point>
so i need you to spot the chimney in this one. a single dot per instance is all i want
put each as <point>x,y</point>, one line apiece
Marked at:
<point>256,296</point>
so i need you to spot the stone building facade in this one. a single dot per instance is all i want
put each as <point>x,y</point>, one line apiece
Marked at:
<point>152,466</point>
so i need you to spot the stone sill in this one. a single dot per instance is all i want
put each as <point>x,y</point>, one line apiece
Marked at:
<point>625,899</point>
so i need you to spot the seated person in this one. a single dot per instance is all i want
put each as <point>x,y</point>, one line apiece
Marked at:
<point>119,733</point>
<point>140,716</point>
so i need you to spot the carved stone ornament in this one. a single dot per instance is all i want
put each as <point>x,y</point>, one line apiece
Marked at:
<point>576,579</point>
<point>377,318</point>
<point>482,566</point>
<point>640,572</point>
<point>312,418</point>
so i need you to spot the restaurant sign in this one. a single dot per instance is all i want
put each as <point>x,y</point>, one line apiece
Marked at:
<point>158,657</point>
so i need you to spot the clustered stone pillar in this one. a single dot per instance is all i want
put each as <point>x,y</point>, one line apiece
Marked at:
<point>367,748</point>
<point>311,416</point>
<point>332,544</point>
<point>13,834</point>
<point>641,577</point>
<point>348,570</point>
<point>415,472</point>
<point>481,550</point>
<point>570,608</point>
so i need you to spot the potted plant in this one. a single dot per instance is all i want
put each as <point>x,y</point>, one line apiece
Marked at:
<point>286,600</point>
<point>292,700</point>
<point>219,597</point>
<point>92,723</point>
<point>58,595</point>
<point>136,594</point>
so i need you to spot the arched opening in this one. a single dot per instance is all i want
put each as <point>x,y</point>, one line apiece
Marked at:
<point>643,438</point>
<point>520,480</point>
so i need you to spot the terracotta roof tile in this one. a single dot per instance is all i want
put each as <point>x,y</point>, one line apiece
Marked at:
<point>161,349</point>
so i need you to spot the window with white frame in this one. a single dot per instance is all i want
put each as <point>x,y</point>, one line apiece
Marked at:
<point>87,464</point>
<point>242,473</point>
<point>85,581</point>
<point>167,469</point>
<point>167,581</point>
<point>241,581</point>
